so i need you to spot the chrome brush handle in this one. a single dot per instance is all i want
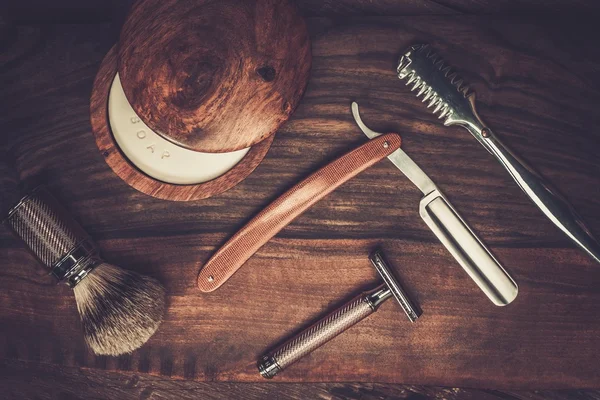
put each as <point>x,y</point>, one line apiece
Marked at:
<point>545,197</point>
<point>53,236</point>
<point>323,331</point>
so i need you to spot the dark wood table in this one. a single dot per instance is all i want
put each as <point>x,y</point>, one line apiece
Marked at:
<point>538,86</point>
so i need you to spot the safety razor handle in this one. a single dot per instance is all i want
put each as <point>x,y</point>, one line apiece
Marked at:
<point>322,332</point>
<point>237,250</point>
<point>475,258</point>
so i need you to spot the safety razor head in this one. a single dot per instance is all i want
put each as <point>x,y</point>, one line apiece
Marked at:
<point>378,261</point>
<point>440,87</point>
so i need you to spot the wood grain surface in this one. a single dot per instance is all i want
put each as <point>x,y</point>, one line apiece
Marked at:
<point>538,88</point>
<point>214,76</point>
<point>69,383</point>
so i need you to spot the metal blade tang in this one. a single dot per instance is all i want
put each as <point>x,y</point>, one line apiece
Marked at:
<point>412,171</point>
<point>400,159</point>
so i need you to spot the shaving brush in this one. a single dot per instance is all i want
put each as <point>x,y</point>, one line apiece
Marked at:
<point>119,310</point>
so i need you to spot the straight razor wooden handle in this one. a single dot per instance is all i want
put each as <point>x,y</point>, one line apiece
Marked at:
<point>229,258</point>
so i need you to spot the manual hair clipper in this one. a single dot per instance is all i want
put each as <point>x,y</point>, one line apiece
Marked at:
<point>338,321</point>
<point>444,90</point>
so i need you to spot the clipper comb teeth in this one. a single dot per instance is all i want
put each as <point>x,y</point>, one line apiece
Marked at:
<point>437,85</point>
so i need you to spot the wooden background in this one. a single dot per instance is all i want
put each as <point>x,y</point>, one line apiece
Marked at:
<point>538,87</point>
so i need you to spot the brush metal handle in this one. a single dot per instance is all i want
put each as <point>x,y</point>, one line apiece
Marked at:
<point>322,332</point>
<point>544,196</point>
<point>277,215</point>
<point>53,236</point>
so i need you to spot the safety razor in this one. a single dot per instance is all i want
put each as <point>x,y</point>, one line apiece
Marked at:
<point>338,321</point>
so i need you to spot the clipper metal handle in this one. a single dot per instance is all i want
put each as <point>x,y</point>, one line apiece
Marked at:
<point>53,236</point>
<point>338,321</point>
<point>553,204</point>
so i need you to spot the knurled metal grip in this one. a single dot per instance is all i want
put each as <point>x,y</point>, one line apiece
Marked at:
<point>317,335</point>
<point>53,236</point>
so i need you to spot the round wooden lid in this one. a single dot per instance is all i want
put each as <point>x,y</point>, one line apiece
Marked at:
<point>214,75</point>
<point>126,170</point>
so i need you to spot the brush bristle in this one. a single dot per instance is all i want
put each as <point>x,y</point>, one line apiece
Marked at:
<point>440,87</point>
<point>120,310</point>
